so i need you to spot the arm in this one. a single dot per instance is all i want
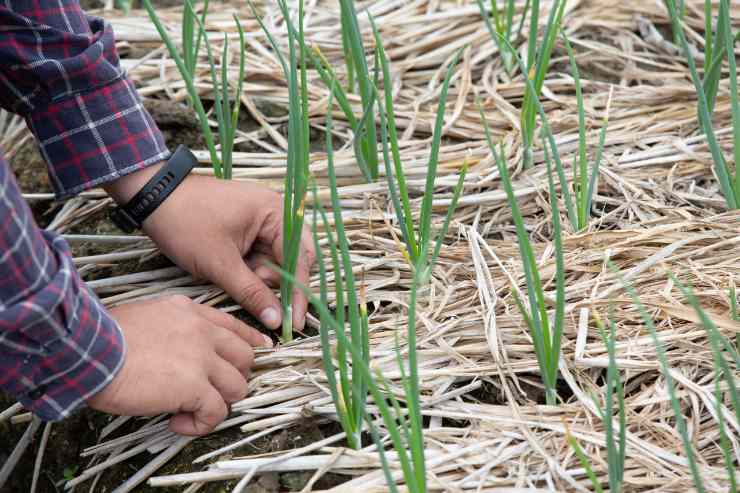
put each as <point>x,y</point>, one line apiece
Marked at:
<point>58,345</point>
<point>59,69</point>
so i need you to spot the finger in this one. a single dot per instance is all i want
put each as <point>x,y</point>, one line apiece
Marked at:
<point>303,272</point>
<point>201,413</point>
<point>228,380</point>
<point>308,245</point>
<point>233,349</point>
<point>249,334</point>
<point>249,291</point>
<point>260,264</point>
<point>300,301</point>
<point>268,276</point>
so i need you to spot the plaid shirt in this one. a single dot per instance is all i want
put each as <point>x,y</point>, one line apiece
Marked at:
<point>59,69</point>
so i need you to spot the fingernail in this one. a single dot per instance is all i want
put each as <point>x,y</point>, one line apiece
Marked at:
<point>270,317</point>
<point>268,340</point>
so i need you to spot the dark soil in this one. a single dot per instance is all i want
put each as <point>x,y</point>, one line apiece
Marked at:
<point>69,437</point>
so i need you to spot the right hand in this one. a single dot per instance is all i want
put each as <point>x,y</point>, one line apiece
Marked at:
<point>182,358</point>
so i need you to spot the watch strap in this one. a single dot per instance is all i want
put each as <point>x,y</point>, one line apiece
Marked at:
<point>132,215</point>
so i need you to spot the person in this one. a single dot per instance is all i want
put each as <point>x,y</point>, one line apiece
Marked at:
<point>59,347</point>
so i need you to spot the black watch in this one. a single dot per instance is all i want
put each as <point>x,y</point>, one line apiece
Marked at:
<point>129,217</point>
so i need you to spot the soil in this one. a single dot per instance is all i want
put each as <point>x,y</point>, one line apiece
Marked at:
<point>69,437</point>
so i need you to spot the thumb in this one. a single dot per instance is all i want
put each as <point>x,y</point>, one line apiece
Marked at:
<point>247,289</point>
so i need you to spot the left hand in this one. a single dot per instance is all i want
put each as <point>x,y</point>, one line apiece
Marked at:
<point>226,232</point>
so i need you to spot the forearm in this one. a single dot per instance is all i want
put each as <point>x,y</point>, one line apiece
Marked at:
<point>60,70</point>
<point>58,345</point>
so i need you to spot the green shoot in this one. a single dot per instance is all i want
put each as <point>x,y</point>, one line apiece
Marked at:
<point>706,92</point>
<point>350,392</point>
<point>501,22</point>
<point>537,64</point>
<point>583,184</point>
<point>416,242</point>
<point>681,8</point>
<point>714,52</point>
<point>347,51</point>
<point>191,38</point>
<point>722,350</point>
<point>405,427</point>
<point>352,355</point>
<point>665,369</point>
<point>354,51</point>
<point>546,333</point>
<point>226,115</point>
<point>732,296</point>
<point>585,462</point>
<point>402,437</point>
<point>296,175</point>
<point>364,139</point>
<point>615,447</point>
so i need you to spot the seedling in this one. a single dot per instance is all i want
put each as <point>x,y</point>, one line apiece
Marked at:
<point>722,351</point>
<point>349,393</point>
<point>722,42</point>
<point>406,437</point>
<point>296,174</point>
<point>192,37</point>
<point>537,64</point>
<point>584,184</point>
<point>665,370</point>
<point>546,333</point>
<point>416,241</point>
<point>501,22</point>
<point>615,446</point>
<point>356,60</point>
<point>404,425</point>
<point>226,115</point>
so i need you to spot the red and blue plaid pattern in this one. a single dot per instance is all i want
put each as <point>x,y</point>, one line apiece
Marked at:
<point>59,69</point>
<point>58,345</point>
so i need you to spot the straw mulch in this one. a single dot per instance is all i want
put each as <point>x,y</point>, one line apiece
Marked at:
<point>658,210</point>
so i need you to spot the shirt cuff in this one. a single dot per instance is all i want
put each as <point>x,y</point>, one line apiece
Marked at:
<point>95,137</point>
<point>70,348</point>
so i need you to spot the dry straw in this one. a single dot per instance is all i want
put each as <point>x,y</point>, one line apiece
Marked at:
<point>657,207</point>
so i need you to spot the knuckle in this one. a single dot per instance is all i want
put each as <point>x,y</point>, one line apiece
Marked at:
<point>249,294</point>
<point>247,361</point>
<point>211,417</point>
<point>238,392</point>
<point>180,300</point>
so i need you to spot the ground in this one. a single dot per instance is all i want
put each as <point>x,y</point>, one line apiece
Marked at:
<point>657,207</point>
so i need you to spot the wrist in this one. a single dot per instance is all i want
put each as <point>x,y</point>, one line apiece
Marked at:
<point>123,189</point>
<point>140,194</point>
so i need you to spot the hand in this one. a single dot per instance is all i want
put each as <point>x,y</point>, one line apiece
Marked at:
<point>181,358</point>
<point>226,232</point>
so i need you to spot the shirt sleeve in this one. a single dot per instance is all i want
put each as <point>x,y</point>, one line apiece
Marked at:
<point>58,345</point>
<point>60,70</point>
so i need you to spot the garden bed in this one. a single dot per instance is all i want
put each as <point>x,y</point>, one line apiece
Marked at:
<point>657,209</point>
